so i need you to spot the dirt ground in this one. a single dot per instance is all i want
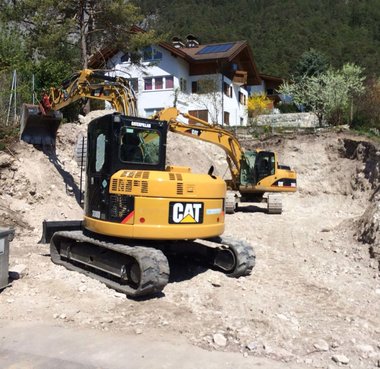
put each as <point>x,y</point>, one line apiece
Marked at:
<point>312,300</point>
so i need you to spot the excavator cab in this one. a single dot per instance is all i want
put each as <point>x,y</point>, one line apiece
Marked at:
<point>117,142</point>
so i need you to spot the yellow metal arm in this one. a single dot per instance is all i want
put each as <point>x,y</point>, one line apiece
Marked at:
<point>207,132</point>
<point>93,84</point>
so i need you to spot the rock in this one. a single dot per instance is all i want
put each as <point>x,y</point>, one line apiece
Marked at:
<point>219,339</point>
<point>321,345</point>
<point>138,331</point>
<point>5,160</point>
<point>18,271</point>
<point>251,346</point>
<point>365,350</point>
<point>279,353</point>
<point>341,359</point>
<point>215,281</point>
<point>82,288</point>
<point>106,320</point>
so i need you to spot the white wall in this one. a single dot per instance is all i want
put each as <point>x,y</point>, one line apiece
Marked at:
<point>169,65</point>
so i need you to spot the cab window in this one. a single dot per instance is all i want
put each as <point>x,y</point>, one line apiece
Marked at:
<point>100,152</point>
<point>138,145</point>
<point>265,164</point>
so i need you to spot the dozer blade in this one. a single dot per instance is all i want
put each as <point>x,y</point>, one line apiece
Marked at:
<point>39,129</point>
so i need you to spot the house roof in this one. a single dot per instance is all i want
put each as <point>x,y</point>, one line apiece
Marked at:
<point>237,52</point>
<point>267,77</point>
<point>222,54</point>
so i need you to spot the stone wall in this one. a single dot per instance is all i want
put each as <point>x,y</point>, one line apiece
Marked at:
<point>294,120</point>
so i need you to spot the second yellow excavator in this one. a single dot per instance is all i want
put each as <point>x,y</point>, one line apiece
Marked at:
<point>254,173</point>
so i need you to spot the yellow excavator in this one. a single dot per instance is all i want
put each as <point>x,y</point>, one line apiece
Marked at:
<point>254,173</point>
<point>40,123</point>
<point>137,210</point>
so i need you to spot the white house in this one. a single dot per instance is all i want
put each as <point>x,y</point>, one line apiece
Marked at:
<point>207,81</point>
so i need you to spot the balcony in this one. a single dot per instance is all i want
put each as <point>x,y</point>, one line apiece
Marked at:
<point>240,77</point>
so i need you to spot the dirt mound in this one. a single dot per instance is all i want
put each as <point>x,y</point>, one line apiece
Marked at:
<point>367,180</point>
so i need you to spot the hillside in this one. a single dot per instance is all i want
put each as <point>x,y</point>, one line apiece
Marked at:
<point>278,31</point>
<point>310,302</point>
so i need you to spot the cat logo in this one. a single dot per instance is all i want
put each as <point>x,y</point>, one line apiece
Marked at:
<point>194,132</point>
<point>185,212</point>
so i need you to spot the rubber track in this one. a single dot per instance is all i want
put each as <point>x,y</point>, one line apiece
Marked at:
<point>230,203</point>
<point>274,204</point>
<point>153,263</point>
<point>244,254</point>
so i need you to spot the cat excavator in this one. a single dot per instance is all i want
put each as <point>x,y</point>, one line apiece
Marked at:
<point>254,174</point>
<point>137,210</point>
<point>40,123</point>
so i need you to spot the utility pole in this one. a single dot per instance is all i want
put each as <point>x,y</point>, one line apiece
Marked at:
<point>12,97</point>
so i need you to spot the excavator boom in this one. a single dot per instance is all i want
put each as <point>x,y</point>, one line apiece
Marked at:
<point>40,123</point>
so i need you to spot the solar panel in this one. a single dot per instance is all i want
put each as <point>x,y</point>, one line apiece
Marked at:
<point>215,48</point>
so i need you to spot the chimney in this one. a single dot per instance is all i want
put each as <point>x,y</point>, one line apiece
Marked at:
<point>177,42</point>
<point>191,41</point>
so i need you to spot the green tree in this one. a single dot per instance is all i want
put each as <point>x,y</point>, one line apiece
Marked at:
<point>367,114</point>
<point>328,95</point>
<point>58,30</point>
<point>311,63</point>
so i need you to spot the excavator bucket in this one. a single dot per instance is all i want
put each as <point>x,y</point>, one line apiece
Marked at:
<point>37,128</point>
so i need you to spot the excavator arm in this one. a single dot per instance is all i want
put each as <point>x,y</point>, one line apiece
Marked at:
<point>204,131</point>
<point>92,84</point>
<point>39,123</point>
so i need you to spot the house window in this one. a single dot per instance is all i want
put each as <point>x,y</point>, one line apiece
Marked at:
<point>242,99</point>
<point>134,83</point>
<point>227,89</point>
<point>201,114</point>
<point>169,82</point>
<point>203,86</point>
<point>194,87</point>
<point>125,58</point>
<point>148,84</point>
<point>241,121</point>
<point>226,119</point>
<point>150,53</point>
<point>183,84</point>
<point>158,83</point>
